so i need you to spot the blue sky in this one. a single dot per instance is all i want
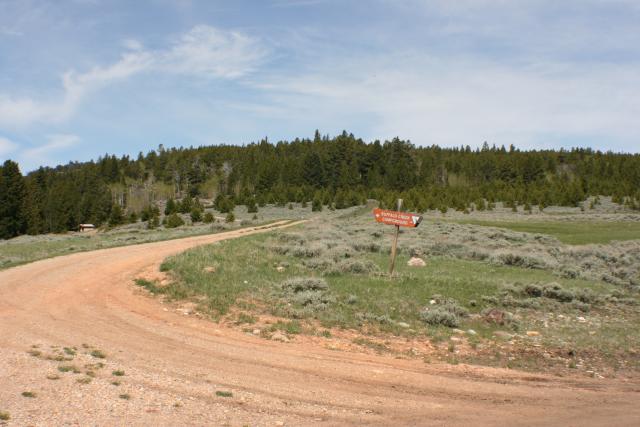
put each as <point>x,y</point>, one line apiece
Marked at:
<point>85,77</point>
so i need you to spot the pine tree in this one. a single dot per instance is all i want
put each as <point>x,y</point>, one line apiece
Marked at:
<point>251,205</point>
<point>12,200</point>
<point>174,220</point>
<point>171,207</point>
<point>196,215</point>
<point>117,216</point>
<point>316,205</point>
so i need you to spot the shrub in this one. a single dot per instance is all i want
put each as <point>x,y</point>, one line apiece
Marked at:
<point>230,217</point>
<point>439,316</point>
<point>153,223</point>
<point>310,292</point>
<point>316,205</point>
<point>299,284</point>
<point>224,393</point>
<point>117,216</point>
<point>366,246</point>
<point>447,313</point>
<point>251,206</point>
<point>306,251</point>
<point>556,292</point>
<point>312,298</point>
<point>354,266</point>
<point>518,260</point>
<point>292,238</point>
<point>196,215</point>
<point>174,220</point>
<point>208,218</point>
<point>533,291</point>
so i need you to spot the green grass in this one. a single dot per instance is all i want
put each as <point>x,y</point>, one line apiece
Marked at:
<point>246,272</point>
<point>571,232</point>
<point>224,393</point>
<point>246,277</point>
<point>4,416</point>
<point>28,394</point>
<point>68,368</point>
<point>118,373</point>
<point>98,354</point>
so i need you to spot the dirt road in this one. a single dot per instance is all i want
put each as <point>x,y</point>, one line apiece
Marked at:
<point>174,364</point>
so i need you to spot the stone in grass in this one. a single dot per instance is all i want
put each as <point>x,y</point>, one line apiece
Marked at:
<point>209,269</point>
<point>533,333</point>
<point>278,336</point>
<point>416,262</point>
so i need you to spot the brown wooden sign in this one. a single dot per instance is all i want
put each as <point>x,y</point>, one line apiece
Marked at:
<point>402,219</point>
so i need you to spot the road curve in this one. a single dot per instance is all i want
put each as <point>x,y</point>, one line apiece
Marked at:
<point>174,364</point>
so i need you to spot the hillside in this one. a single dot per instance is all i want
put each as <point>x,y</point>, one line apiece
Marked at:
<point>335,172</point>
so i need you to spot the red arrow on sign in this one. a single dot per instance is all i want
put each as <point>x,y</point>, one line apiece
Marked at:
<point>403,219</point>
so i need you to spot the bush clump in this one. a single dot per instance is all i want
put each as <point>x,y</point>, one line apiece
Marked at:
<point>311,293</point>
<point>300,284</point>
<point>446,312</point>
<point>440,316</point>
<point>556,292</point>
<point>174,220</point>
<point>354,266</point>
<point>518,260</point>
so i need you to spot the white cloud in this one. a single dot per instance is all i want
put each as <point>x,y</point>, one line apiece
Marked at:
<point>132,44</point>
<point>204,52</point>
<point>34,157</point>
<point>55,143</point>
<point>454,101</point>
<point>207,51</point>
<point>6,147</point>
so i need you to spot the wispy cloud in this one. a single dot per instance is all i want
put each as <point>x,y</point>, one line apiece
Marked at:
<point>204,52</point>
<point>44,154</point>
<point>55,143</point>
<point>10,32</point>
<point>453,101</point>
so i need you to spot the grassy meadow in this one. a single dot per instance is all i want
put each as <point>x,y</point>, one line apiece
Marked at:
<point>517,298</point>
<point>578,232</point>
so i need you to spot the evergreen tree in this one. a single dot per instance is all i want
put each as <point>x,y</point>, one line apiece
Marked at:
<point>251,205</point>
<point>171,207</point>
<point>12,200</point>
<point>196,215</point>
<point>174,220</point>
<point>316,205</point>
<point>117,216</point>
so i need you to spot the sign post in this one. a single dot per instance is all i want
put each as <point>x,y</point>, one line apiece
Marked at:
<point>394,246</point>
<point>397,219</point>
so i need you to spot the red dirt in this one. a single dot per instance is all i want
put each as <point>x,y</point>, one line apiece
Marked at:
<point>175,363</point>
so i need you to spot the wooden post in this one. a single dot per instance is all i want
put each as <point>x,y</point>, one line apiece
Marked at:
<point>394,246</point>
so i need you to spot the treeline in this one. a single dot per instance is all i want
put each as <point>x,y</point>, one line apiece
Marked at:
<point>337,172</point>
